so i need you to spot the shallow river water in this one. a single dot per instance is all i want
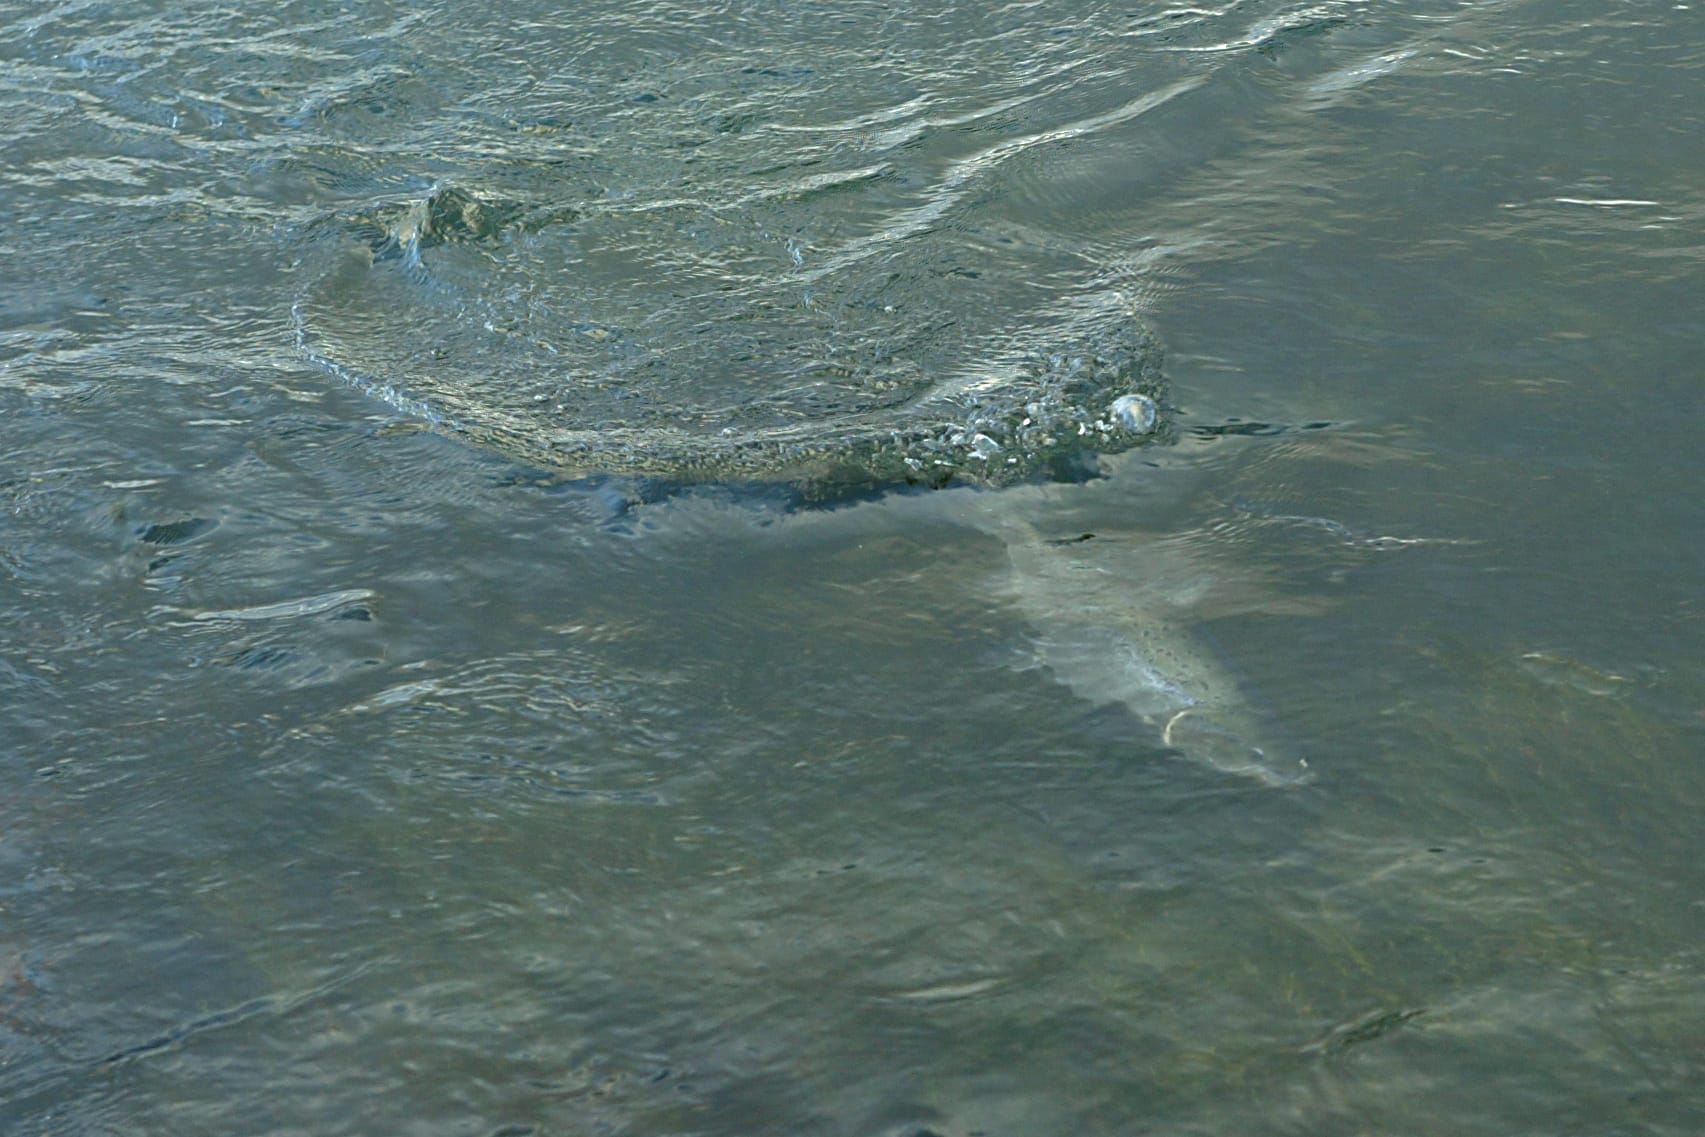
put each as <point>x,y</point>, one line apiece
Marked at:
<point>468,669</point>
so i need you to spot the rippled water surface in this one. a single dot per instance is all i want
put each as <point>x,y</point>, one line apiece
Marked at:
<point>483,656</point>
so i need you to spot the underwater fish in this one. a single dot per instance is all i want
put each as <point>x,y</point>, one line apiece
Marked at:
<point>1113,622</point>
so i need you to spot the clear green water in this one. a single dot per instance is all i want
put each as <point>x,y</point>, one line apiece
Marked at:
<point>362,771</point>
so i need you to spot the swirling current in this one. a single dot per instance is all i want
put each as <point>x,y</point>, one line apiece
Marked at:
<point>855,385</point>
<point>768,260</point>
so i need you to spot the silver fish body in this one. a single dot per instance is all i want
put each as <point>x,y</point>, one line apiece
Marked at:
<point>1112,622</point>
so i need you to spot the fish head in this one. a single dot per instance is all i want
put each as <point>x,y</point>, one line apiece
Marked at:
<point>1221,737</point>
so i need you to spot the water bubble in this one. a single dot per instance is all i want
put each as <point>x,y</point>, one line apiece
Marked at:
<point>1136,413</point>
